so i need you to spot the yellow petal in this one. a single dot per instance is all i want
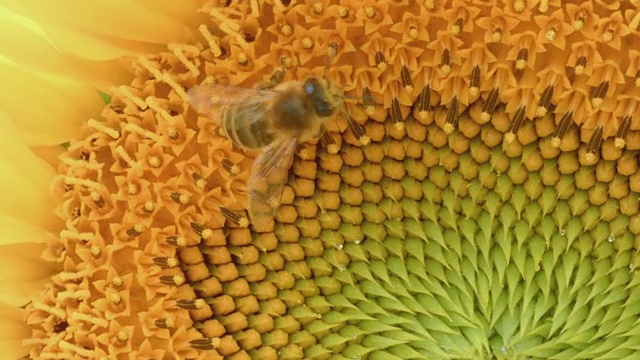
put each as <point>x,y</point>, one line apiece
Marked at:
<point>25,272</point>
<point>13,331</point>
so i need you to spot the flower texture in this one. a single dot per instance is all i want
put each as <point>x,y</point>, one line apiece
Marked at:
<point>479,201</point>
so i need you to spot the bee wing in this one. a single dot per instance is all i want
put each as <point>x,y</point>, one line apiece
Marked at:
<point>207,99</point>
<point>268,177</point>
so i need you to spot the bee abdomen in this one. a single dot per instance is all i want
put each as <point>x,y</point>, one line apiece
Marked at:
<point>245,125</point>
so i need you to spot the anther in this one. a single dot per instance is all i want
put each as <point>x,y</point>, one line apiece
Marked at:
<point>490,105</point>
<point>580,65</point>
<point>177,240</point>
<point>164,114</point>
<point>445,66</point>
<point>413,32</point>
<point>343,12</point>
<point>608,35</point>
<point>370,11</point>
<point>367,101</point>
<point>496,35</point>
<point>405,77</point>
<point>232,168</point>
<point>132,189</point>
<point>154,162</point>
<point>380,61</point>
<point>286,30</point>
<point>307,42</point>
<point>124,91</point>
<point>97,199</point>
<point>545,102</point>
<point>135,230</point>
<point>142,132</point>
<point>561,130</point>
<point>328,143</point>
<point>201,230</point>
<point>515,124</point>
<point>318,7</point>
<point>179,197</point>
<point>213,43</point>
<point>201,182</point>
<point>205,343</point>
<point>73,235</point>
<point>358,131</point>
<point>191,304</point>
<point>165,262</point>
<point>581,19</point>
<point>101,127</point>
<point>521,60</point>
<point>234,217</point>
<point>594,144</point>
<point>598,94</point>
<point>164,323</point>
<point>83,182</point>
<point>456,28</point>
<point>396,114</point>
<point>172,280</point>
<point>424,102</point>
<point>176,49</point>
<point>623,130</point>
<point>452,116</point>
<point>474,84</point>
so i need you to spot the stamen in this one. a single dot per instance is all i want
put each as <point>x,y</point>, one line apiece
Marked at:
<point>456,28</point>
<point>380,61</point>
<point>551,34</point>
<point>177,51</point>
<point>621,135</point>
<point>496,35</point>
<point>474,84</point>
<point>232,168</point>
<point>60,313</point>
<point>561,129</point>
<point>405,77</point>
<point>97,199</point>
<point>135,230</point>
<point>205,344</point>
<point>84,236</point>
<point>521,60</point>
<point>370,11</point>
<point>307,42</point>
<point>328,143</point>
<point>580,65</point>
<point>180,198</point>
<point>396,114</point>
<point>83,182</point>
<point>255,8</point>
<point>155,106</point>
<point>148,207</point>
<point>196,304</point>
<point>358,131</point>
<point>515,124</point>
<point>201,230</point>
<point>598,94</point>
<point>75,349</point>
<point>200,182</point>
<point>126,93</point>
<point>164,323</point>
<point>445,66</point>
<point>594,143</point>
<point>545,102</point>
<point>318,7</point>
<point>451,122</point>
<point>490,105</point>
<point>165,262</point>
<point>177,241</point>
<point>424,103</point>
<point>172,280</point>
<point>343,12</point>
<point>140,131</point>
<point>234,217</point>
<point>367,101</point>
<point>102,128</point>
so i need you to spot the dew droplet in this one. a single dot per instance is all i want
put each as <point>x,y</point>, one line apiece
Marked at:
<point>339,247</point>
<point>611,238</point>
<point>358,241</point>
<point>562,232</point>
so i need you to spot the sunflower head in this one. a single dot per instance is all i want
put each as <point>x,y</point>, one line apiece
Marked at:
<point>478,201</point>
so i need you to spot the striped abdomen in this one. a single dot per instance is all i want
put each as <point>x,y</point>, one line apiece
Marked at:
<point>245,124</point>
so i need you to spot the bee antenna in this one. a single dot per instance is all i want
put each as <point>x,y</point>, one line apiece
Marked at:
<point>332,52</point>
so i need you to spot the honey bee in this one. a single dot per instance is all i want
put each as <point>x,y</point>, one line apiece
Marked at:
<point>274,121</point>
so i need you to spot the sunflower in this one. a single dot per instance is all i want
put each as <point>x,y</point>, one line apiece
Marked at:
<point>479,200</point>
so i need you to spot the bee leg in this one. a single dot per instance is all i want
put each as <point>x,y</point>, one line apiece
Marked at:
<point>276,78</point>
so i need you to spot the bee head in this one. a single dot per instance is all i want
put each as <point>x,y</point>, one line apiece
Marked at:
<point>324,96</point>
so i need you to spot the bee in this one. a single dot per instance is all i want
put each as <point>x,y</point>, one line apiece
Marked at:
<point>274,121</point>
